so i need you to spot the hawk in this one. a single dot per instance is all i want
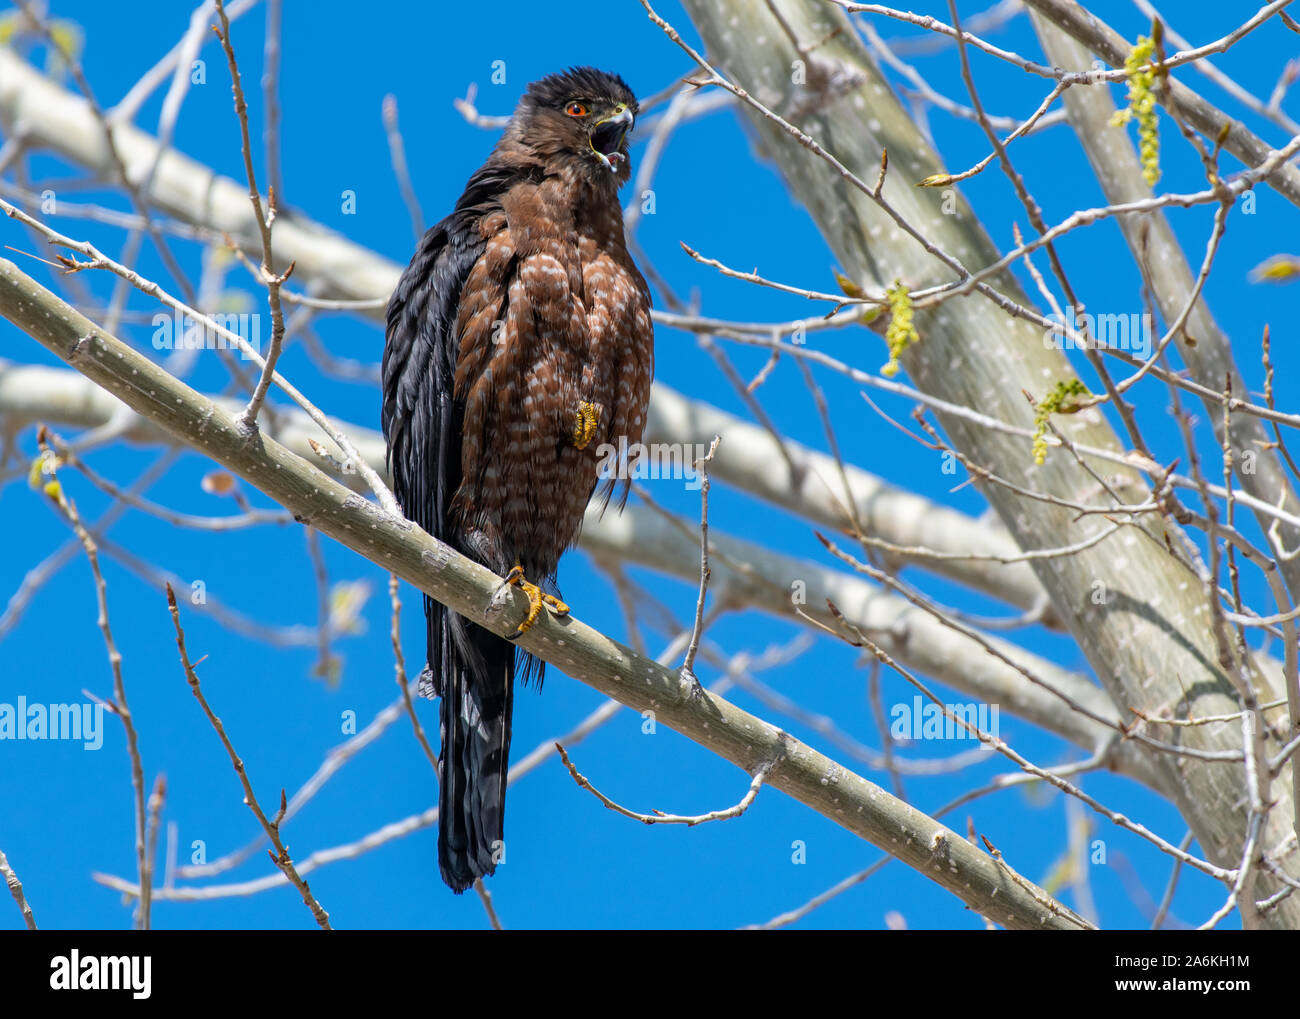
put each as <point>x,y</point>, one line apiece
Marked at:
<point>519,349</point>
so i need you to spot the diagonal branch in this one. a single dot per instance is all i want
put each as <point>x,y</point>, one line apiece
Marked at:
<point>585,654</point>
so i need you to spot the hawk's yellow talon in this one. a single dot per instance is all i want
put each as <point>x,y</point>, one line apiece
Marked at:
<point>585,427</point>
<point>536,599</point>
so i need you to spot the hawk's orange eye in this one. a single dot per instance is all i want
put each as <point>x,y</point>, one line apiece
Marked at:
<point>576,110</point>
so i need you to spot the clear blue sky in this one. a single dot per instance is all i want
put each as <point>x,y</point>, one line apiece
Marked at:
<point>66,812</point>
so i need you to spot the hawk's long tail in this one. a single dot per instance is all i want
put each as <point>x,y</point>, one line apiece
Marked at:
<point>473,672</point>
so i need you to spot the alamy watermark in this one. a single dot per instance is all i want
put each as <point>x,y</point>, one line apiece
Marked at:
<point>925,720</point>
<point>23,721</point>
<point>655,461</point>
<point>77,972</point>
<point>1130,332</point>
<point>179,331</point>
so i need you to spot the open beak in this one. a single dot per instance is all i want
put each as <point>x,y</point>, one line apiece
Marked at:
<point>607,138</point>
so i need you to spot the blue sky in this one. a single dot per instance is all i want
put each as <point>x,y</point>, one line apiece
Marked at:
<point>66,812</point>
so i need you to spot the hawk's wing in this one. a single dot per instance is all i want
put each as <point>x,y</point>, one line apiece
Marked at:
<point>420,417</point>
<point>471,670</point>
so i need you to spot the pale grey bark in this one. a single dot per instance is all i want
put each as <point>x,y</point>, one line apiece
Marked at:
<point>1257,466</point>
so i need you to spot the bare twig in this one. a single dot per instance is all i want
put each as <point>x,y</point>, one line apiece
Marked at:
<point>659,817</point>
<point>270,278</point>
<point>281,856</point>
<point>16,890</point>
<point>119,704</point>
<point>397,153</point>
<point>688,664</point>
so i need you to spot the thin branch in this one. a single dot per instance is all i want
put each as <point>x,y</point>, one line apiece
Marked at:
<point>688,664</point>
<point>119,704</point>
<point>659,817</point>
<point>397,154</point>
<point>272,828</point>
<point>264,221</point>
<point>16,890</point>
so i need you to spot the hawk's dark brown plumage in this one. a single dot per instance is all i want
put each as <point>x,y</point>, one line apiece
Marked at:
<point>519,341</point>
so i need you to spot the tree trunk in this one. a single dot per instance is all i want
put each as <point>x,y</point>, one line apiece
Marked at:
<point>1141,618</point>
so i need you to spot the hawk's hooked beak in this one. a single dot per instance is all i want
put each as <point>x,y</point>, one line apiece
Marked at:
<point>607,138</point>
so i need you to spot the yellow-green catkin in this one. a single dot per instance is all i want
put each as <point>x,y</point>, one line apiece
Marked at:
<point>1142,105</point>
<point>1058,401</point>
<point>901,332</point>
<point>42,473</point>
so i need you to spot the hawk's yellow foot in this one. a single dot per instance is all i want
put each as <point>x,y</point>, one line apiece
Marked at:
<point>585,428</point>
<point>536,599</point>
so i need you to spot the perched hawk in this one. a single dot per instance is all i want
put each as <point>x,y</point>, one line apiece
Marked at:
<point>519,342</point>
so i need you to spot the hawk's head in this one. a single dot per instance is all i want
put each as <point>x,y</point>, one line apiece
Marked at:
<point>581,114</point>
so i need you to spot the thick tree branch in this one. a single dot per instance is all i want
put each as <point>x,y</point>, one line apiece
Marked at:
<point>585,654</point>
